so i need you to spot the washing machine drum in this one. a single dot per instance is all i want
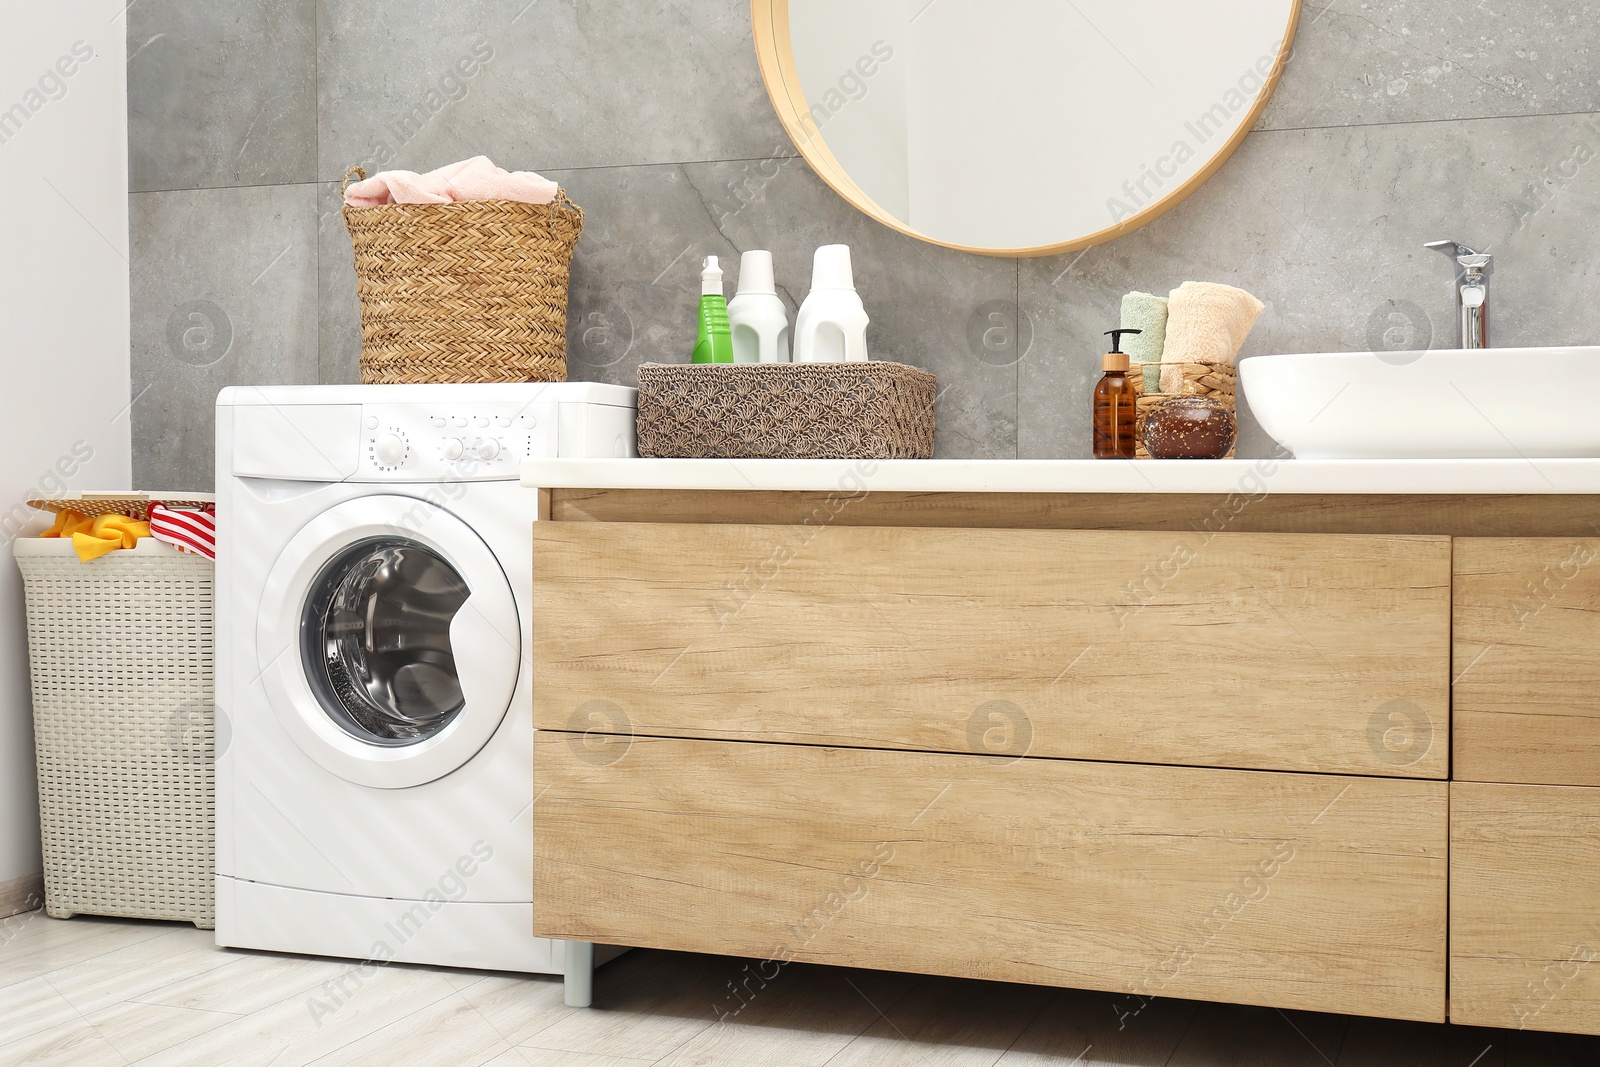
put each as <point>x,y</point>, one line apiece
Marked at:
<point>378,623</point>
<point>389,641</point>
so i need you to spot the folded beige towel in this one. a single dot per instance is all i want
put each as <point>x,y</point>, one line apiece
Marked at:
<point>1206,323</point>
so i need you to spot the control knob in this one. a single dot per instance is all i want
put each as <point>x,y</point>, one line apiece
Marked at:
<point>453,448</point>
<point>488,449</point>
<point>389,449</point>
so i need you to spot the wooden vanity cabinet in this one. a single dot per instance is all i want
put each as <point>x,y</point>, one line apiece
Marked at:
<point>1296,764</point>
<point>1075,758</point>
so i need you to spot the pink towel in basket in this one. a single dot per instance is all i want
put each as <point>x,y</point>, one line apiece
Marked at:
<point>471,179</point>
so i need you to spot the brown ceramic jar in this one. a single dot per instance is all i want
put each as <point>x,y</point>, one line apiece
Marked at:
<point>1189,427</point>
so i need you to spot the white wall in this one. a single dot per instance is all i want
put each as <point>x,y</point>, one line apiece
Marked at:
<point>63,317</point>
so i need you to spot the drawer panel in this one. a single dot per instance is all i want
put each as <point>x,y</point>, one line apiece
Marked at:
<point>1270,651</point>
<point>1527,634</point>
<point>1524,892</point>
<point>1297,891</point>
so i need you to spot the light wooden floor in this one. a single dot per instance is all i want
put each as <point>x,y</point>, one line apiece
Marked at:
<point>88,991</point>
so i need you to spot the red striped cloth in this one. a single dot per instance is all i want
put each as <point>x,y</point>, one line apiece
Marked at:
<point>188,531</point>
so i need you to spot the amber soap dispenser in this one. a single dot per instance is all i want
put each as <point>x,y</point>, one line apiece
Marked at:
<point>1114,404</point>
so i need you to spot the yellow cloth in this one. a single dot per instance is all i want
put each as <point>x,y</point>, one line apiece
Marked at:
<point>94,536</point>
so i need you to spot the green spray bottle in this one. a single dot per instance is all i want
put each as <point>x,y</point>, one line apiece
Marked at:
<point>715,341</point>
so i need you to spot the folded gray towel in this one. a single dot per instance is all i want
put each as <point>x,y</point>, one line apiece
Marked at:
<point>1148,313</point>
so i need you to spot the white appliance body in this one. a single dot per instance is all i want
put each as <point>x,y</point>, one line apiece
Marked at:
<point>374,750</point>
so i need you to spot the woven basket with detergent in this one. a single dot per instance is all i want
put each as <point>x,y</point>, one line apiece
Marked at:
<point>467,292</point>
<point>870,410</point>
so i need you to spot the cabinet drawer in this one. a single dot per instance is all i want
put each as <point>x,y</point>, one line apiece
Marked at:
<point>1527,634</point>
<point>1524,889</point>
<point>1272,651</point>
<point>1297,891</point>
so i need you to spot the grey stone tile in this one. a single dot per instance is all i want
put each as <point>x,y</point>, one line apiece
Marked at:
<point>221,93</point>
<point>1358,62</point>
<point>635,282</point>
<point>645,232</point>
<point>540,86</point>
<point>224,293</point>
<point>338,306</point>
<point>1327,227</point>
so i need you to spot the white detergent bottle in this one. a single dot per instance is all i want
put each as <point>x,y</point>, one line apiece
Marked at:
<point>832,324</point>
<point>759,320</point>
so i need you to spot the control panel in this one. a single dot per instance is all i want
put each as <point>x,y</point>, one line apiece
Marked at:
<point>455,442</point>
<point>468,432</point>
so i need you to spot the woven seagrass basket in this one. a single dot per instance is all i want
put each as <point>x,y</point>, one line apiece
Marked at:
<point>870,410</point>
<point>467,292</point>
<point>121,656</point>
<point>1217,380</point>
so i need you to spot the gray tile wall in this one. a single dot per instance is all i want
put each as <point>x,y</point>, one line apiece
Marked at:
<point>1395,124</point>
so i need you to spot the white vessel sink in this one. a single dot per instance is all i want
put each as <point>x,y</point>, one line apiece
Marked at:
<point>1497,403</point>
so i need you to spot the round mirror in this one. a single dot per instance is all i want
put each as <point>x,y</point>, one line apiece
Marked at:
<point>1019,127</point>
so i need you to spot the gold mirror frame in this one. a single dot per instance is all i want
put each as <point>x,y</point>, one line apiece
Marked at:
<point>775,52</point>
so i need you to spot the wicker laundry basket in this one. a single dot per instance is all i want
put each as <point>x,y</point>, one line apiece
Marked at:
<point>467,292</point>
<point>866,410</point>
<point>121,655</point>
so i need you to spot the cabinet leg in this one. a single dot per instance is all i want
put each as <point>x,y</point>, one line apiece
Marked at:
<point>579,971</point>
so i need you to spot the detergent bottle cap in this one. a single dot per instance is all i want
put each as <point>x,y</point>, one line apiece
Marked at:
<point>830,268</point>
<point>755,273</point>
<point>711,278</point>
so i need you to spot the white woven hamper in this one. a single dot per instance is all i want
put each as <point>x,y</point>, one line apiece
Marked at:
<point>122,659</point>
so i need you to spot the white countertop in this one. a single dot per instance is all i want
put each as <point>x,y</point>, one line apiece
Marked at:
<point>1250,476</point>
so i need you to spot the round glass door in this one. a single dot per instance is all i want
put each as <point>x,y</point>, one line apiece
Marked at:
<point>389,640</point>
<point>376,641</point>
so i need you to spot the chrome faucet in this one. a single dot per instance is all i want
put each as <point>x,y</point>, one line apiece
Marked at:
<point>1472,290</point>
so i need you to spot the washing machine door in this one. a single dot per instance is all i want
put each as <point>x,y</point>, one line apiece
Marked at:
<point>389,641</point>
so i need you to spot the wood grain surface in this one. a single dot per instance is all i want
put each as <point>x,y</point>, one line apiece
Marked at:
<point>1288,652</point>
<point>1296,891</point>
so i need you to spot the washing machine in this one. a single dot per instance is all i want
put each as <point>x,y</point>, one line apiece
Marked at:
<point>375,794</point>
